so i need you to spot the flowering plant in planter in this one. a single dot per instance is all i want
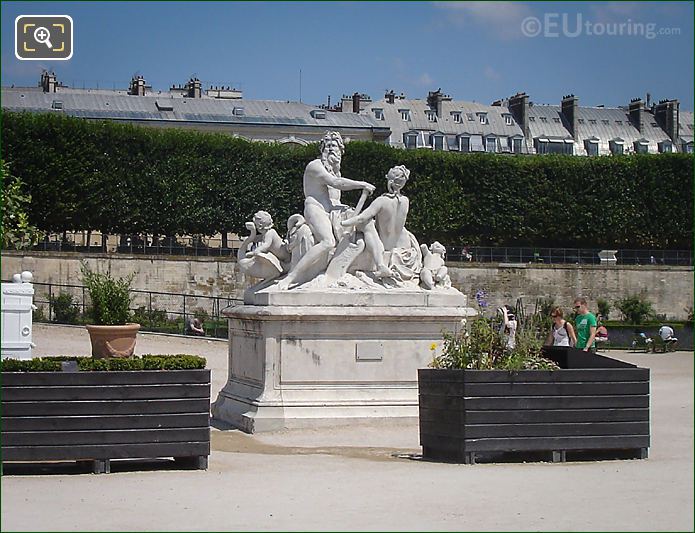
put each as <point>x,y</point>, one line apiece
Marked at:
<point>480,347</point>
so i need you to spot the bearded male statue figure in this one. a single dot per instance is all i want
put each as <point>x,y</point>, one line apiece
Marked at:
<point>323,210</point>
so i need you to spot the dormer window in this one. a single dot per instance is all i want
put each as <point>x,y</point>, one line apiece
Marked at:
<point>482,117</point>
<point>57,105</point>
<point>556,120</point>
<point>665,147</point>
<point>405,114</point>
<point>437,141</point>
<point>617,146</point>
<point>239,112</point>
<point>544,120</point>
<point>318,114</point>
<point>508,119</point>
<point>164,105</point>
<point>532,119</point>
<point>592,121</point>
<point>378,114</point>
<point>591,146</point>
<point>491,144</point>
<point>456,117</point>
<point>641,146</point>
<point>580,120</point>
<point>431,115</point>
<point>410,140</point>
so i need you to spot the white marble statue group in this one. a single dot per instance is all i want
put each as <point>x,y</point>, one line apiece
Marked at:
<point>335,245</point>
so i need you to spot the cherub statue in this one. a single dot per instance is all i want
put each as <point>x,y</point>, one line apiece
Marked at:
<point>434,272</point>
<point>263,254</point>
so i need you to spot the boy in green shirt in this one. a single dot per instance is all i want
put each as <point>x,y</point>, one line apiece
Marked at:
<point>585,324</point>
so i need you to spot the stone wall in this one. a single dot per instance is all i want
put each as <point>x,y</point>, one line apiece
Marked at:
<point>670,289</point>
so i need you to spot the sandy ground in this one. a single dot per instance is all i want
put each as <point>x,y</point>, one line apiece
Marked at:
<point>366,477</point>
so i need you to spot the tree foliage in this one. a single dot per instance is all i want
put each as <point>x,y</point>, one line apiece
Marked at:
<point>119,178</point>
<point>17,232</point>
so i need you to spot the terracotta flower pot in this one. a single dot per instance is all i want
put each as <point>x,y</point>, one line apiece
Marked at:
<point>113,341</point>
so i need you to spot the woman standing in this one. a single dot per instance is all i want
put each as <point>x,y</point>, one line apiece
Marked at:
<point>561,332</point>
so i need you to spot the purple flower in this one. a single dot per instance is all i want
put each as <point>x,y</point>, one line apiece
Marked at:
<point>480,297</point>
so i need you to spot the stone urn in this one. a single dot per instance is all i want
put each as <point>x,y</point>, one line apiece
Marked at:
<point>113,341</point>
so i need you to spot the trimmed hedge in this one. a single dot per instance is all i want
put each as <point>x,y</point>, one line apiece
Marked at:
<point>87,364</point>
<point>119,178</point>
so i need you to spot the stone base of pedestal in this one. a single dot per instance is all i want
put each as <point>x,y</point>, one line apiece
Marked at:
<point>304,366</point>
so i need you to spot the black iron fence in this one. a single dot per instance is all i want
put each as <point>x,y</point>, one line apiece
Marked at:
<point>578,256</point>
<point>213,247</point>
<point>163,312</point>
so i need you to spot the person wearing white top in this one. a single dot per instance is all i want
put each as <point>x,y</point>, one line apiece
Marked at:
<point>508,327</point>
<point>561,332</point>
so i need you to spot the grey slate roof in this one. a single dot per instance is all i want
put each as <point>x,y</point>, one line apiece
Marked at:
<point>602,123</point>
<point>686,125</point>
<point>100,104</point>
<point>445,124</point>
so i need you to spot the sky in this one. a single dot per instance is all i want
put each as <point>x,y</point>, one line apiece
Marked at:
<point>603,52</point>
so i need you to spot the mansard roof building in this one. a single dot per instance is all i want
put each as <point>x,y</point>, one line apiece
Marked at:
<point>221,109</point>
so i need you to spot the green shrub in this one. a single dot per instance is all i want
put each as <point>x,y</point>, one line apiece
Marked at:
<point>15,230</point>
<point>481,348</point>
<point>88,364</point>
<point>117,178</point>
<point>635,309</point>
<point>604,307</point>
<point>65,310</point>
<point>110,297</point>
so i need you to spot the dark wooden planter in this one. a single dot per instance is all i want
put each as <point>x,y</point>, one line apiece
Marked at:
<point>592,403</point>
<point>99,416</point>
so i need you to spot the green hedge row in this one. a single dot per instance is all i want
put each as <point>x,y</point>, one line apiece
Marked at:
<point>86,364</point>
<point>120,178</point>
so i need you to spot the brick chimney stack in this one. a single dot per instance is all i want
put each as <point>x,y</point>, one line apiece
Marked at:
<point>667,116</point>
<point>137,86</point>
<point>390,97</point>
<point>570,108</point>
<point>356,102</point>
<point>435,99</point>
<point>636,113</point>
<point>48,81</point>
<point>193,88</point>
<point>518,107</point>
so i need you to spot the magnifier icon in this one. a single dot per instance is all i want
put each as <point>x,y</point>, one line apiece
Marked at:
<point>42,35</point>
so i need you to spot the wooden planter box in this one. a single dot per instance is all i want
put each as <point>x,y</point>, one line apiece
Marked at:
<point>592,403</point>
<point>99,416</point>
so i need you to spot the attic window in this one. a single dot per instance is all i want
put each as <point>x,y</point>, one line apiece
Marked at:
<point>163,105</point>
<point>619,122</point>
<point>431,115</point>
<point>532,119</point>
<point>456,116</point>
<point>405,114</point>
<point>606,122</point>
<point>655,124</point>
<point>482,117</point>
<point>581,120</point>
<point>556,120</point>
<point>316,113</point>
<point>544,120</point>
<point>592,121</point>
<point>378,114</point>
<point>239,112</point>
<point>57,105</point>
<point>508,120</point>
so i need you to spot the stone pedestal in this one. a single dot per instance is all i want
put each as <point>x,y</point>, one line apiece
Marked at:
<point>347,357</point>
